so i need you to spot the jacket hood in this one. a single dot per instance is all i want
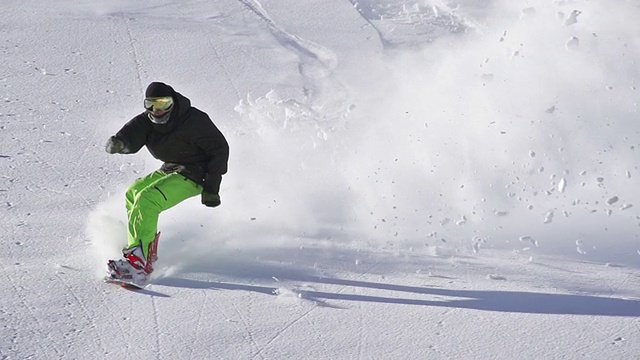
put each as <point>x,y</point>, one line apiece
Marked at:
<point>183,105</point>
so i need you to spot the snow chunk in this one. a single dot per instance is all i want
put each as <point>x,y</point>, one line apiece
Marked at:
<point>529,11</point>
<point>486,77</point>
<point>287,293</point>
<point>562,185</point>
<point>573,43</point>
<point>438,251</point>
<point>291,296</point>
<point>529,239</point>
<point>573,18</point>
<point>580,247</point>
<point>477,242</point>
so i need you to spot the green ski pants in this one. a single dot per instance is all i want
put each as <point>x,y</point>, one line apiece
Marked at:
<point>150,195</point>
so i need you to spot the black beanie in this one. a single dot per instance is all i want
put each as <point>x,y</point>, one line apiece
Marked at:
<point>158,89</point>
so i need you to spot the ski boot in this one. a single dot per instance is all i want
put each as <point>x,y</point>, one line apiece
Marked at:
<point>133,269</point>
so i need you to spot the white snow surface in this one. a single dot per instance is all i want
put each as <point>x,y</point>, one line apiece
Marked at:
<point>408,179</point>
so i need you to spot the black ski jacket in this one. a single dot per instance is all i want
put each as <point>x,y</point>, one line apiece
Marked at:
<point>189,143</point>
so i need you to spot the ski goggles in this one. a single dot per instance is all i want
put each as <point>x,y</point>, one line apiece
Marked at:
<point>158,104</point>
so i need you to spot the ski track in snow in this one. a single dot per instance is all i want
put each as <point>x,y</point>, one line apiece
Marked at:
<point>88,315</point>
<point>134,53</point>
<point>305,49</point>
<point>316,66</point>
<point>246,323</point>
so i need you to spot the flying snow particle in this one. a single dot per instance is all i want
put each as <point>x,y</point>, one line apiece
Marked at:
<point>529,11</point>
<point>477,242</point>
<point>573,18</point>
<point>612,200</point>
<point>529,239</point>
<point>562,185</point>
<point>486,77</point>
<point>573,43</point>
<point>548,218</point>
<point>580,247</point>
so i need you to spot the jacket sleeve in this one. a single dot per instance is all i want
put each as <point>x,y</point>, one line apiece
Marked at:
<point>134,134</point>
<point>214,144</point>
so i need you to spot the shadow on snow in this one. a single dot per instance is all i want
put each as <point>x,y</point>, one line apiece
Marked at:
<point>265,266</point>
<point>493,300</point>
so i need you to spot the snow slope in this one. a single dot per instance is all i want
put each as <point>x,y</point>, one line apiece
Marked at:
<point>408,180</point>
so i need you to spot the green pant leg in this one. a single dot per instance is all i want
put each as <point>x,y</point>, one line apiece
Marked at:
<point>139,185</point>
<point>162,194</point>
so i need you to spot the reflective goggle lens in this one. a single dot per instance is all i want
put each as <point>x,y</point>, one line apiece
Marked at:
<point>158,104</point>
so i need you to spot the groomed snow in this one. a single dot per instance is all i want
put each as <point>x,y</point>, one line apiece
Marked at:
<point>408,180</point>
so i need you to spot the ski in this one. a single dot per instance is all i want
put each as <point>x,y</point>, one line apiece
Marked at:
<point>130,285</point>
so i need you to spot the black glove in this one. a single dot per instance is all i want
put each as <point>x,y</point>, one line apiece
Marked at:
<point>210,199</point>
<point>114,145</point>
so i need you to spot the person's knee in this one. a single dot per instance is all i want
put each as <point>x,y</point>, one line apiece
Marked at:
<point>130,195</point>
<point>133,189</point>
<point>151,198</point>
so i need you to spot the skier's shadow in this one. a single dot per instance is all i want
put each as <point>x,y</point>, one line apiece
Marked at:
<point>268,271</point>
<point>487,300</point>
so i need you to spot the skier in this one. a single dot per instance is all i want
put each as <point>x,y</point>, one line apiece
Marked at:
<point>195,156</point>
